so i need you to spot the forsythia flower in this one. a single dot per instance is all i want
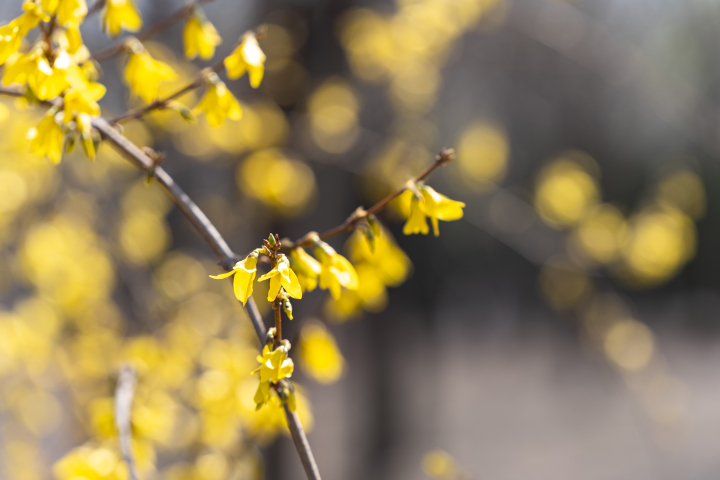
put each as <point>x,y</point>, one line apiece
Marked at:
<point>306,268</point>
<point>219,103</point>
<point>244,272</point>
<point>200,37</point>
<point>335,270</point>
<point>33,68</point>
<point>247,57</point>
<point>85,128</point>
<point>71,12</point>
<point>282,276</point>
<point>274,366</point>
<point>83,95</point>
<point>144,74</point>
<point>10,39</point>
<point>74,39</point>
<point>47,138</point>
<point>32,16</point>
<point>428,202</point>
<point>119,15</point>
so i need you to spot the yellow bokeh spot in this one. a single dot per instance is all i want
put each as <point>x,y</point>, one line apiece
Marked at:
<point>439,464</point>
<point>179,276</point>
<point>144,236</point>
<point>565,191</point>
<point>482,155</point>
<point>682,189</point>
<point>659,243</point>
<point>321,358</point>
<point>14,191</point>
<point>629,344</point>
<point>332,110</point>
<point>281,182</point>
<point>563,284</point>
<point>601,233</point>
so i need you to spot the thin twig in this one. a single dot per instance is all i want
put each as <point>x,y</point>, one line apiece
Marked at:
<point>124,393</point>
<point>446,155</point>
<point>298,436</point>
<point>96,7</point>
<point>149,32</point>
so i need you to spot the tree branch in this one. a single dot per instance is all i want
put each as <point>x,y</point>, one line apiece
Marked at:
<point>124,393</point>
<point>149,32</point>
<point>446,155</point>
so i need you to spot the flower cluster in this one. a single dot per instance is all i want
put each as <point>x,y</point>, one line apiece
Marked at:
<point>426,202</point>
<point>57,67</point>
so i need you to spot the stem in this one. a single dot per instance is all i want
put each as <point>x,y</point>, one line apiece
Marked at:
<point>278,321</point>
<point>124,393</point>
<point>446,155</point>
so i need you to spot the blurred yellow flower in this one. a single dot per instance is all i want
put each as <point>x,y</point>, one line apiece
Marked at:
<point>74,39</point>
<point>282,276</point>
<point>120,15</point>
<point>32,16</point>
<point>144,74</point>
<point>244,271</point>
<point>83,95</point>
<point>10,39</point>
<point>416,222</point>
<point>47,138</point>
<point>335,270</point>
<point>71,12</point>
<point>389,261</point>
<point>83,123</point>
<point>274,366</point>
<point>219,103</point>
<point>321,358</point>
<point>200,38</point>
<point>34,69</point>
<point>439,464</point>
<point>91,463</point>
<point>306,268</point>
<point>247,57</point>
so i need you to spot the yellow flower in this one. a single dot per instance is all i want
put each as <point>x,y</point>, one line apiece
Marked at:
<point>244,272</point>
<point>440,207</point>
<point>144,74</point>
<point>282,276</point>
<point>247,57</point>
<point>417,222</point>
<point>33,68</point>
<point>49,6</point>
<point>391,263</point>
<point>74,39</point>
<point>120,15</point>
<point>274,366</point>
<point>219,103</point>
<point>32,16</point>
<point>47,138</point>
<point>84,126</point>
<point>321,358</point>
<point>335,270</point>
<point>71,12</point>
<point>306,268</point>
<point>200,37</point>
<point>10,39</point>
<point>82,96</point>
<point>427,202</point>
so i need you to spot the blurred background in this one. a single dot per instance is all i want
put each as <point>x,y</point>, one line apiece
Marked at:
<point>565,328</point>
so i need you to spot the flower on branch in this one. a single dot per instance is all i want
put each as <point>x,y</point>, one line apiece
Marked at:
<point>426,202</point>
<point>244,272</point>
<point>120,15</point>
<point>47,138</point>
<point>70,11</point>
<point>335,270</point>
<point>82,96</point>
<point>306,268</point>
<point>200,38</point>
<point>247,57</point>
<point>219,103</point>
<point>282,276</point>
<point>274,366</point>
<point>33,68</point>
<point>144,74</point>
<point>33,15</point>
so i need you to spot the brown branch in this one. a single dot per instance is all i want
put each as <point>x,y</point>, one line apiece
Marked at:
<point>299,438</point>
<point>96,7</point>
<point>124,393</point>
<point>149,32</point>
<point>446,155</point>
